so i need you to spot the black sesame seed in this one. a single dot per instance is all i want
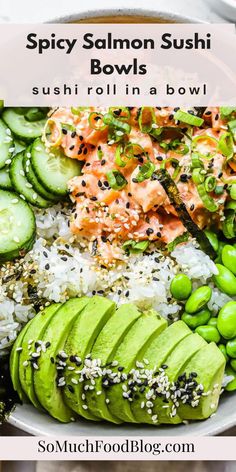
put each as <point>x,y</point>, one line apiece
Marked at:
<point>103,162</point>
<point>83,183</point>
<point>149,231</point>
<point>192,207</point>
<point>120,368</point>
<point>47,266</point>
<point>73,134</point>
<point>183,177</point>
<point>159,158</point>
<point>64,131</point>
<point>71,147</point>
<point>70,388</point>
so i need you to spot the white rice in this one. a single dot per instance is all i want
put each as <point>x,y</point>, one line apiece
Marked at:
<point>64,270</point>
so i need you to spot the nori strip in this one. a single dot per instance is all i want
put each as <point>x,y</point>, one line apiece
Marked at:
<point>8,397</point>
<point>175,199</point>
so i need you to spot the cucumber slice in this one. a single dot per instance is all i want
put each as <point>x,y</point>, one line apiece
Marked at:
<point>6,144</point>
<point>17,226</point>
<point>20,126</point>
<point>5,181</point>
<point>22,186</point>
<point>19,146</point>
<point>53,169</point>
<point>32,178</point>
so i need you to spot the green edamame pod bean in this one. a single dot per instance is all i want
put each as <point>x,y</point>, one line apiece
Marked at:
<point>225,280</point>
<point>231,386</point>
<point>231,348</point>
<point>229,257</point>
<point>212,238</point>
<point>226,321</point>
<point>198,299</point>
<point>209,333</point>
<point>222,348</point>
<point>181,287</point>
<point>212,322</point>
<point>233,364</point>
<point>198,319</point>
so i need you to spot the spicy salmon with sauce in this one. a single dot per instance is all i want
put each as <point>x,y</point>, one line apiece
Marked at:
<point>118,198</point>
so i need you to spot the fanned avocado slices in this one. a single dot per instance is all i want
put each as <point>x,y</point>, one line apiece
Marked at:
<point>46,376</point>
<point>28,360</point>
<point>146,328</point>
<point>157,353</point>
<point>79,345</point>
<point>104,349</point>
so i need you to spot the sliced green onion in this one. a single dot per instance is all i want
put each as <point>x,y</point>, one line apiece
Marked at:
<point>133,150</point>
<point>219,190</point>
<point>207,201</point>
<point>226,145</point>
<point>116,179</point>
<point>68,127</point>
<point>100,153</point>
<point>231,205</point>
<point>146,119</point>
<point>196,161</point>
<point>228,226</point>
<point>198,176</point>
<point>232,128</point>
<point>178,240</point>
<point>135,247</point>
<point>233,191</point>
<point>185,117</point>
<point>119,125</point>
<point>175,164</point>
<point>96,121</point>
<point>118,159</point>
<point>75,111</point>
<point>122,113</point>
<point>210,183</point>
<point>145,171</point>
<point>226,111</point>
<point>213,240</point>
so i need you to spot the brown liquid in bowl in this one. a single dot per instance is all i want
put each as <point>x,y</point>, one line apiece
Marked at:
<point>123,19</point>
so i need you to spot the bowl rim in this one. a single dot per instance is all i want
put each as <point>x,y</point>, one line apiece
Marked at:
<point>127,11</point>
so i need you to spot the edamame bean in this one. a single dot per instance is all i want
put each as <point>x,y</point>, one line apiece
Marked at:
<point>231,348</point>
<point>209,333</point>
<point>198,299</point>
<point>198,319</point>
<point>212,322</point>
<point>222,348</point>
<point>212,238</point>
<point>231,386</point>
<point>181,287</point>
<point>226,321</point>
<point>233,364</point>
<point>229,257</point>
<point>225,280</point>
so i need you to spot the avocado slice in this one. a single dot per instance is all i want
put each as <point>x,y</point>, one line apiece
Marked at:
<point>45,378</point>
<point>104,348</point>
<point>34,333</point>
<point>15,359</point>
<point>156,355</point>
<point>209,364</point>
<point>135,343</point>
<point>80,343</point>
<point>176,361</point>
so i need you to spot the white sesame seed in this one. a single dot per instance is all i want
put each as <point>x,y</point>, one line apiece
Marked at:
<point>85,407</point>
